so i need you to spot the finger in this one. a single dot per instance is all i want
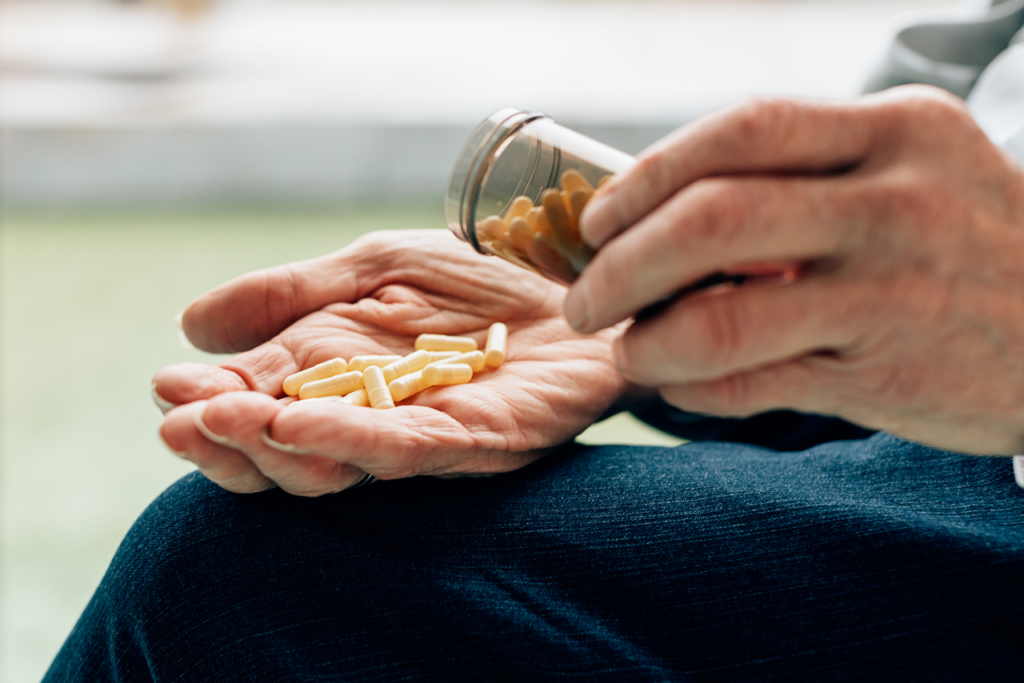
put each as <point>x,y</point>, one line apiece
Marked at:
<point>717,334</point>
<point>793,385</point>
<point>407,441</point>
<point>244,418</point>
<point>265,368</point>
<point>251,309</point>
<point>262,369</point>
<point>761,136</point>
<point>220,463</point>
<point>712,226</point>
<point>187,382</point>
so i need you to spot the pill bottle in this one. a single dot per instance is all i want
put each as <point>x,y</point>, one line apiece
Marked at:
<point>518,187</point>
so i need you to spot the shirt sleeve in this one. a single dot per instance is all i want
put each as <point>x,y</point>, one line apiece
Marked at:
<point>997,101</point>
<point>949,53</point>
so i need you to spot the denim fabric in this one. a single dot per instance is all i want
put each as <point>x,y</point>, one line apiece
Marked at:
<point>873,560</point>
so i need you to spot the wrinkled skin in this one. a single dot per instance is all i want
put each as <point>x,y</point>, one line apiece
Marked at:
<point>375,297</point>
<point>908,314</point>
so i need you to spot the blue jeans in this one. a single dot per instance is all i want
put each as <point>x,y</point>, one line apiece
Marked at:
<point>868,560</point>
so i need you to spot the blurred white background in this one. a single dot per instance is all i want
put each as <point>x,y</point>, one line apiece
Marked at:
<point>327,99</point>
<point>153,150</point>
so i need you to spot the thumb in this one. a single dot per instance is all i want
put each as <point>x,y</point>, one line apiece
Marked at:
<point>249,310</point>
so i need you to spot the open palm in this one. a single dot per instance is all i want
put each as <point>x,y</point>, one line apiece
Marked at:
<point>376,297</point>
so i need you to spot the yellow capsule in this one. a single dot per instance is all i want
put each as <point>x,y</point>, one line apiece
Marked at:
<point>407,385</point>
<point>490,229</point>
<point>520,232</point>
<point>360,363</point>
<point>562,227</point>
<point>474,359</point>
<point>377,388</point>
<point>438,356</point>
<point>518,209</point>
<point>568,211</point>
<point>356,398</point>
<point>548,261</point>
<point>511,254</point>
<point>339,385</point>
<point>538,220</point>
<point>497,341</point>
<point>441,342</point>
<point>573,180</point>
<point>443,374</point>
<point>322,399</point>
<point>578,198</point>
<point>411,363</point>
<point>293,383</point>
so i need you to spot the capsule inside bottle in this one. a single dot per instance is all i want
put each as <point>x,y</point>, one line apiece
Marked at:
<point>520,185</point>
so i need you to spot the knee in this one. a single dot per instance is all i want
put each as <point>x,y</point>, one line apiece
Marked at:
<point>172,548</point>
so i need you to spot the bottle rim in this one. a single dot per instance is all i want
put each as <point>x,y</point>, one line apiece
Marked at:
<point>471,167</point>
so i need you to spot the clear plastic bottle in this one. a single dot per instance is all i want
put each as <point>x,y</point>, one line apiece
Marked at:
<point>518,187</point>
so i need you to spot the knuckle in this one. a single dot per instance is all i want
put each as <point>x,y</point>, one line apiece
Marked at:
<point>655,172</point>
<point>732,396</point>
<point>759,123</point>
<point>716,215</point>
<point>612,277</point>
<point>916,111</point>
<point>376,248</point>
<point>931,98</point>
<point>280,294</point>
<point>719,335</point>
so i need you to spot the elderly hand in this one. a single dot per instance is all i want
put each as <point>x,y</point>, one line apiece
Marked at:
<point>907,225</point>
<point>375,297</point>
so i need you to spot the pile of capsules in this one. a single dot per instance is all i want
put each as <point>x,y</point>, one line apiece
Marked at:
<point>543,238</point>
<point>382,381</point>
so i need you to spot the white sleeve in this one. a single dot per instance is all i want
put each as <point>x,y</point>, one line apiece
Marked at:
<point>949,53</point>
<point>997,101</point>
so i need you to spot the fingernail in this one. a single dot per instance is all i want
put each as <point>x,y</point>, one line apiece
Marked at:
<point>162,403</point>
<point>216,438</point>
<point>577,307</point>
<point>590,231</point>
<point>363,480</point>
<point>182,337</point>
<point>286,447</point>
